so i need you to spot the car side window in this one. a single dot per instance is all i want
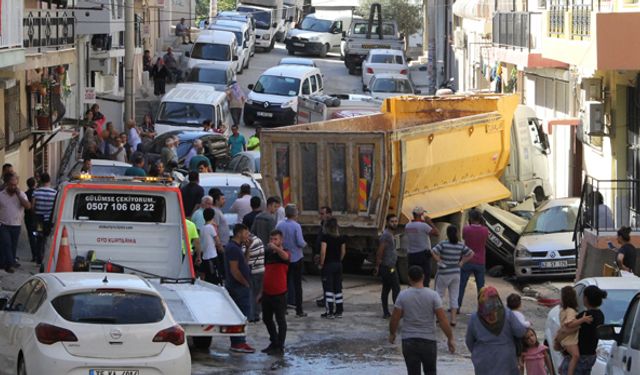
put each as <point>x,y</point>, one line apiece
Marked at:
<point>319,81</point>
<point>632,314</point>
<point>36,298</point>
<point>635,331</point>
<point>306,89</point>
<point>314,84</point>
<point>19,300</point>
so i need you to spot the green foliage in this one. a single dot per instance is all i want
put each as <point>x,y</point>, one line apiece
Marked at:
<point>202,7</point>
<point>407,15</point>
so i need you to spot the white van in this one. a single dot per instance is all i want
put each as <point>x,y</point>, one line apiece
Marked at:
<point>232,15</point>
<point>214,47</point>
<point>187,105</point>
<point>245,45</point>
<point>319,33</point>
<point>268,23</point>
<point>274,98</point>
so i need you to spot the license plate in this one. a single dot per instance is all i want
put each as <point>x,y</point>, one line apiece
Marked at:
<point>113,372</point>
<point>495,240</point>
<point>265,114</point>
<point>554,264</point>
<point>298,44</point>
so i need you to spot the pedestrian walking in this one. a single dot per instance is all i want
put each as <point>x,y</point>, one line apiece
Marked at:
<point>192,194</point>
<point>274,290</point>
<point>626,257</point>
<point>13,202</point>
<point>44,198</point>
<point>419,307</point>
<point>386,258</point>
<point>332,251</point>
<point>535,356</point>
<point>236,142</point>
<point>236,100</point>
<point>211,248</point>
<point>30,220</point>
<point>450,254</point>
<point>256,264</point>
<point>249,218</point>
<point>294,242</point>
<point>417,233</point>
<point>490,336</point>
<point>242,205</point>
<point>265,222</point>
<point>159,72</point>
<point>237,276</point>
<point>475,235</point>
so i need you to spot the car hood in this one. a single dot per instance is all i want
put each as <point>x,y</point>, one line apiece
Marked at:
<point>303,33</point>
<point>274,99</point>
<point>548,241</point>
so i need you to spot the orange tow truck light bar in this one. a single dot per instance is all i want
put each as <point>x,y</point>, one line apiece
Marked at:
<point>87,176</point>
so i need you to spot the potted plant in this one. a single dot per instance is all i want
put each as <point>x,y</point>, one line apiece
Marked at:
<point>43,117</point>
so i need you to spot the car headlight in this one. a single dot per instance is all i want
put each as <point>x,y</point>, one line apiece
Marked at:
<point>266,36</point>
<point>522,252</point>
<point>289,104</point>
<point>248,101</point>
<point>603,351</point>
<point>314,39</point>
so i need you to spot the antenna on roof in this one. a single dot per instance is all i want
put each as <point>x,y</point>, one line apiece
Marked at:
<point>105,280</point>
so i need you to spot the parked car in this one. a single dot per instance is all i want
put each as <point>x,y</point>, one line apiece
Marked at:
<point>215,146</point>
<point>90,323</point>
<point>625,339</point>
<point>383,61</point>
<point>388,85</point>
<point>229,184</point>
<point>504,232</point>
<point>546,246</point>
<point>217,76</point>
<point>297,61</point>
<point>244,162</point>
<point>619,292</point>
<point>100,167</point>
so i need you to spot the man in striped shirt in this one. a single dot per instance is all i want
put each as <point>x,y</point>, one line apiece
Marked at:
<point>44,198</point>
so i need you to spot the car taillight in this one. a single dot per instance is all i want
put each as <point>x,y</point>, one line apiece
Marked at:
<point>174,335</point>
<point>49,334</point>
<point>369,70</point>
<point>403,71</point>
<point>232,329</point>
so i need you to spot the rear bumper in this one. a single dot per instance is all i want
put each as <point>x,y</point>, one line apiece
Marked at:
<point>277,116</point>
<point>304,46</point>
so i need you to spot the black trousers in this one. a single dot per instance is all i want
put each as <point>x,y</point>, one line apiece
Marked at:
<point>294,279</point>
<point>422,260</point>
<point>43,229</point>
<point>275,305</point>
<point>420,354</point>
<point>210,269</point>
<point>332,285</point>
<point>390,283</point>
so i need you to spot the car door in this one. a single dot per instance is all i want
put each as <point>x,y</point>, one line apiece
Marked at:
<point>306,87</point>
<point>622,357</point>
<point>336,35</point>
<point>11,323</point>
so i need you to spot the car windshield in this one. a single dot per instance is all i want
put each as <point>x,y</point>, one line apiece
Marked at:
<point>553,220</point>
<point>401,86</point>
<point>213,76</point>
<point>185,114</point>
<point>231,194</point>
<point>211,52</point>
<point>615,305</point>
<point>277,85</point>
<point>314,24</point>
<point>386,59</point>
<point>262,17</point>
<point>110,306</point>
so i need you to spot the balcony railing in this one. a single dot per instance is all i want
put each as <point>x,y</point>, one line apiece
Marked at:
<point>581,21</point>
<point>48,28</point>
<point>10,30</point>
<point>512,29</point>
<point>556,20</point>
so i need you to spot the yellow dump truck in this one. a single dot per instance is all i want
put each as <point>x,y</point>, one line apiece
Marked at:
<point>445,154</point>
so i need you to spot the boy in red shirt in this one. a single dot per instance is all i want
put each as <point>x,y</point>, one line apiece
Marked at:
<point>274,293</point>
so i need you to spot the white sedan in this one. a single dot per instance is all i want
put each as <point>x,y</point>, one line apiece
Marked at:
<point>620,291</point>
<point>90,323</point>
<point>385,85</point>
<point>383,61</point>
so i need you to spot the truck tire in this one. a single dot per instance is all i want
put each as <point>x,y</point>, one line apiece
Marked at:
<point>539,194</point>
<point>202,342</point>
<point>324,50</point>
<point>402,265</point>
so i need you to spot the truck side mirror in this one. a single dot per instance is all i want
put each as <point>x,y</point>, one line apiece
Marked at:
<point>290,19</point>
<point>344,34</point>
<point>235,57</point>
<point>401,35</point>
<point>250,86</point>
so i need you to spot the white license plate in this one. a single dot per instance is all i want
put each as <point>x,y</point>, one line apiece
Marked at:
<point>113,372</point>
<point>265,114</point>
<point>554,264</point>
<point>298,44</point>
<point>495,240</point>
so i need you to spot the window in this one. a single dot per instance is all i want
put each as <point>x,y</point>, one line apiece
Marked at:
<point>309,156</point>
<point>338,26</point>
<point>338,177</point>
<point>635,332</point>
<point>138,208</point>
<point>306,89</point>
<point>19,300</point>
<point>553,220</point>
<point>213,76</point>
<point>185,114</point>
<point>314,84</point>
<point>110,307</point>
<point>38,295</point>
<point>319,77</point>
<point>211,51</point>
<point>628,324</point>
<point>278,85</point>
<point>386,59</point>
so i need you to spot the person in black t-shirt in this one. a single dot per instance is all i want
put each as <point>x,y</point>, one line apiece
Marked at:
<point>332,250</point>
<point>626,257</point>
<point>192,194</point>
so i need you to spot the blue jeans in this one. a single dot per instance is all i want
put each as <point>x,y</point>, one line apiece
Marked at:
<point>241,295</point>
<point>585,363</point>
<point>9,236</point>
<point>467,269</point>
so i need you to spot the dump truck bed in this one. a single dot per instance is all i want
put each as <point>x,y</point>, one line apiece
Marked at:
<point>445,154</point>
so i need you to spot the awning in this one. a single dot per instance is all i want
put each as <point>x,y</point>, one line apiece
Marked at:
<point>452,199</point>
<point>473,9</point>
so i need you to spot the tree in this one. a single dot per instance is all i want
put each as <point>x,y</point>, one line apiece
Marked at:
<point>202,7</point>
<point>407,15</point>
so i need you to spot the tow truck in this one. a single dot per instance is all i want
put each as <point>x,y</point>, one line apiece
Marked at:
<point>137,225</point>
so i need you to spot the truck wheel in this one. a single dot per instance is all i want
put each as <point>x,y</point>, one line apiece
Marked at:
<point>290,52</point>
<point>324,50</point>
<point>353,263</point>
<point>202,342</point>
<point>402,265</point>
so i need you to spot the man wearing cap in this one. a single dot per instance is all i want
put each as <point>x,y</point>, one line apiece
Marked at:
<point>417,233</point>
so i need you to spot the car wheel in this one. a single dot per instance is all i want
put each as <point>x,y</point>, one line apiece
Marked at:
<point>22,368</point>
<point>324,50</point>
<point>202,342</point>
<point>290,52</point>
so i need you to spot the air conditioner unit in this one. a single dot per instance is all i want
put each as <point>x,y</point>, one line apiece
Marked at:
<point>592,116</point>
<point>459,38</point>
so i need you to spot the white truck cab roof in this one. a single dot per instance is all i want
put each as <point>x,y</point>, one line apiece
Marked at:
<point>194,93</point>
<point>293,71</point>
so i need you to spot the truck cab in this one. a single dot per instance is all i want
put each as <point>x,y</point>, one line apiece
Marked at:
<point>269,22</point>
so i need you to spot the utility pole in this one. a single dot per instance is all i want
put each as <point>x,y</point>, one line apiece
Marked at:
<point>129,54</point>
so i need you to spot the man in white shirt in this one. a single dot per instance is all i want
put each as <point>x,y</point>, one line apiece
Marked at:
<point>210,244</point>
<point>242,205</point>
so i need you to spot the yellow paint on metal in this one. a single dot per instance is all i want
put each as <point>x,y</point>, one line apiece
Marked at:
<point>362,190</point>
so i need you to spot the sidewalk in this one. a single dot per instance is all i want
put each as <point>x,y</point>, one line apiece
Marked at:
<point>11,281</point>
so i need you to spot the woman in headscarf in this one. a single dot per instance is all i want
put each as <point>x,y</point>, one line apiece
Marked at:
<point>491,336</point>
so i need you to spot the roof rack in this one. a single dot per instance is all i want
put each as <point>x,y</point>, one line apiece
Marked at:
<point>147,179</point>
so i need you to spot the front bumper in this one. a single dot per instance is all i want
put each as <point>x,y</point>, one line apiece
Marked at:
<point>272,114</point>
<point>303,46</point>
<point>545,267</point>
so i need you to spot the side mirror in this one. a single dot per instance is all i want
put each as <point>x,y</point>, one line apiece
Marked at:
<point>235,58</point>
<point>608,332</point>
<point>367,90</point>
<point>187,53</point>
<point>275,24</point>
<point>401,35</point>
<point>3,303</point>
<point>409,59</point>
<point>250,86</point>
<point>245,45</point>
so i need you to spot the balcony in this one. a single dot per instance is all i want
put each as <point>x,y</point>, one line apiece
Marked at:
<point>48,29</point>
<point>99,16</point>
<point>11,51</point>
<point>584,35</point>
<point>512,29</point>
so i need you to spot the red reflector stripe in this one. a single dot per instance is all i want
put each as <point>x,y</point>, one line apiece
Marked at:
<point>208,328</point>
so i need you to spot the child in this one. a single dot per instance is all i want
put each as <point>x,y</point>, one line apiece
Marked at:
<point>514,303</point>
<point>535,358</point>
<point>570,325</point>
